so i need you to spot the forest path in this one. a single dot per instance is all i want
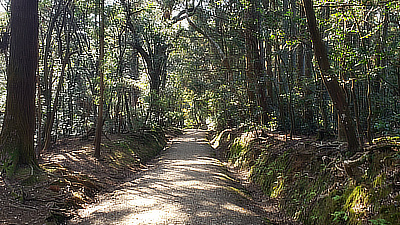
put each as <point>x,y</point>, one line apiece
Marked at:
<point>185,185</point>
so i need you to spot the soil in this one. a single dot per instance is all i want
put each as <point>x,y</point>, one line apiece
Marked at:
<point>70,177</point>
<point>186,184</point>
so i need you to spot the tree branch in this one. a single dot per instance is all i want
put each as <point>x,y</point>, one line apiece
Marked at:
<point>336,5</point>
<point>143,53</point>
<point>213,42</point>
<point>189,12</point>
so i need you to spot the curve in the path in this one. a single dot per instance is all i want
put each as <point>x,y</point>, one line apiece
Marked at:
<point>186,185</point>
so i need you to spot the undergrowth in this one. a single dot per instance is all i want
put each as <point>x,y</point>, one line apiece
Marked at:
<point>70,176</point>
<point>310,182</point>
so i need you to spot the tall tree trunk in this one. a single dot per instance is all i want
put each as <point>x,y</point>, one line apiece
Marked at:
<point>39,117</point>
<point>335,91</point>
<point>270,75</point>
<point>254,68</point>
<point>128,111</point>
<point>17,136</point>
<point>118,114</point>
<point>356,110</point>
<point>309,109</point>
<point>99,127</point>
<point>47,71</point>
<point>370,114</point>
<point>64,60</point>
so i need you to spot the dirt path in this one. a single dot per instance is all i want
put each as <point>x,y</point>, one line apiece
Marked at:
<point>186,185</point>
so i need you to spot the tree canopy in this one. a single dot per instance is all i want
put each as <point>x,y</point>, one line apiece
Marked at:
<point>216,64</point>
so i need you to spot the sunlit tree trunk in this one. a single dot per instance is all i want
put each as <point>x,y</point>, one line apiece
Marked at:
<point>128,111</point>
<point>17,136</point>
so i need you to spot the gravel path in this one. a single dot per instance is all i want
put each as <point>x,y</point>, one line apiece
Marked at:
<point>186,185</point>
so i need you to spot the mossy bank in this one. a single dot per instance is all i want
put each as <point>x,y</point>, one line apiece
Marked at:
<point>310,178</point>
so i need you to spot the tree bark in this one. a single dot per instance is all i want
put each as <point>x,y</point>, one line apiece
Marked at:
<point>64,59</point>
<point>99,127</point>
<point>128,111</point>
<point>256,88</point>
<point>17,136</point>
<point>331,83</point>
<point>47,73</point>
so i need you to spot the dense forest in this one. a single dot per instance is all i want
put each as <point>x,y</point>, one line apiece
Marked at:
<point>323,70</point>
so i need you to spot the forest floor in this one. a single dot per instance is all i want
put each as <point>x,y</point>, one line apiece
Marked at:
<point>70,177</point>
<point>186,184</point>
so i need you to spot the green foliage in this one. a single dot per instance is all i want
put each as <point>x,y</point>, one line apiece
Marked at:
<point>238,153</point>
<point>8,166</point>
<point>198,89</point>
<point>379,222</point>
<point>340,216</point>
<point>300,180</point>
<point>270,173</point>
<point>136,148</point>
<point>9,163</point>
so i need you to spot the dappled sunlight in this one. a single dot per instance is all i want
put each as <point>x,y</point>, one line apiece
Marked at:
<point>153,216</point>
<point>223,176</point>
<point>283,137</point>
<point>233,207</point>
<point>185,186</point>
<point>142,202</point>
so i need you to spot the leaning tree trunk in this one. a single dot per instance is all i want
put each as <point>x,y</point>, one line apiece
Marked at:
<point>331,83</point>
<point>17,136</point>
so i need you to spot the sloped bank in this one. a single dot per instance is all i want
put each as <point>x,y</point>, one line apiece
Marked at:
<point>311,180</point>
<point>71,177</point>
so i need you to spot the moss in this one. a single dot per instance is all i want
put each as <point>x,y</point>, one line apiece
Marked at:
<point>307,193</point>
<point>224,136</point>
<point>356,204</point>
<point>149,145</point>
<point>269,171</point>
<point>379,180</point>
<point>314,191</point>
<point>31,180</point>
<point>278,187</point>
<point>387,140</point>
<point>240,150</point>
<point>390,213</point>
<point>237,152</point>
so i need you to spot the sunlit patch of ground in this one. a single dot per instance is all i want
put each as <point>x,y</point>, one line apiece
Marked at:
<point>183,187</point>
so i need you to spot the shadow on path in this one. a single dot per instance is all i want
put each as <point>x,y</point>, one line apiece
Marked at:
<point>186,185</point>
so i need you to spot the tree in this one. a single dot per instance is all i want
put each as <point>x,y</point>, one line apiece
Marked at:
<point>331,83</point>
<point>99,127</point>
<point>17,136</point>
<point>59,8</point>
<point>152,45</point>
<point>64,58</point>
<point>254,69</point>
